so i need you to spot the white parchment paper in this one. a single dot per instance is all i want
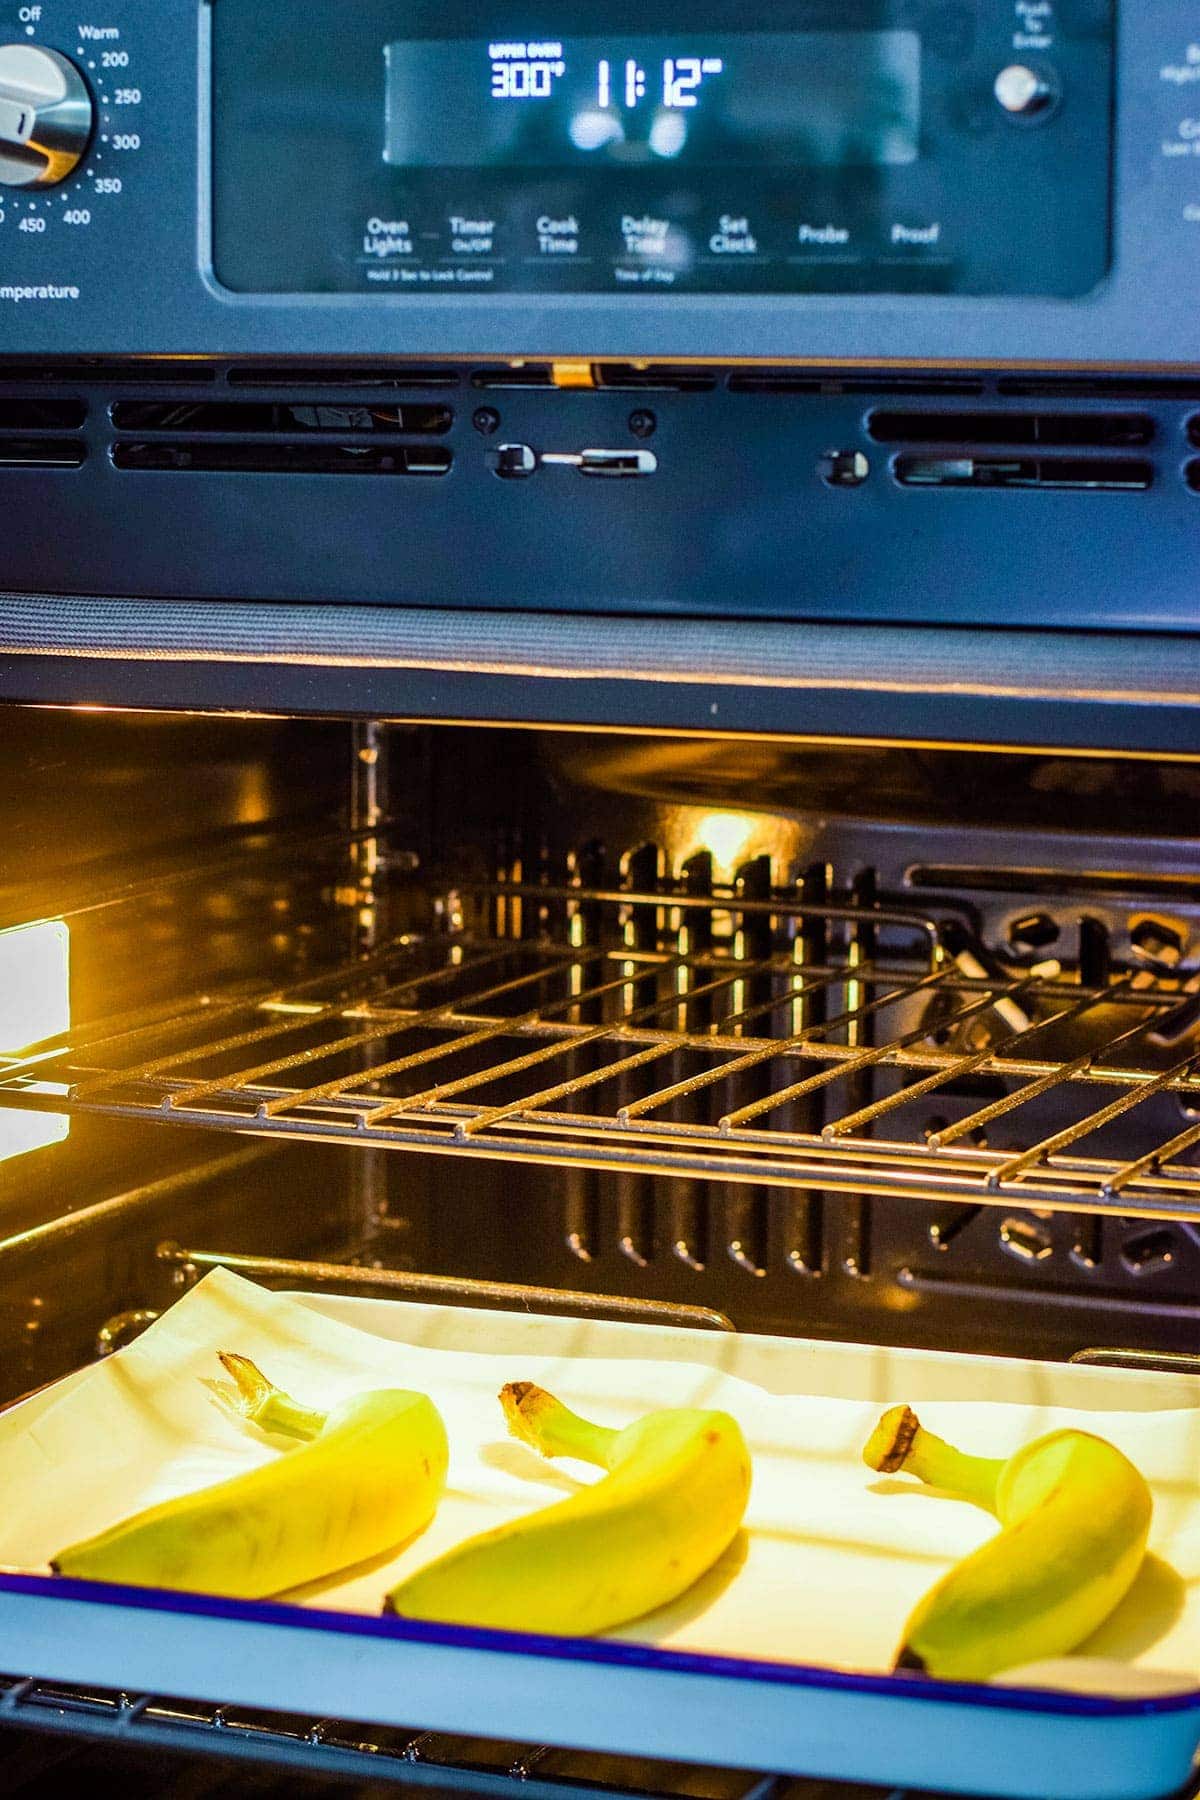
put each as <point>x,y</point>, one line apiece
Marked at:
<point>832,1557</point>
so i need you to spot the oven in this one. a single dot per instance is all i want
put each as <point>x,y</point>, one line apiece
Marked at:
<point>598,638</point>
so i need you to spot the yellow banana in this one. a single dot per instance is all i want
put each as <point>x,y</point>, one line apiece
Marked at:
<point>368,1475</point>
<point>1075,1515</point>
<point>671,1502</point>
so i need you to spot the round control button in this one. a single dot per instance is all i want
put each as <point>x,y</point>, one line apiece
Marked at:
<point>46,116</point>
<point>1022,92</point>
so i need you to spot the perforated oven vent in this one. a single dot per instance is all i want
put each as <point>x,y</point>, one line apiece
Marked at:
<point>957,448</point>
<point>272,436</point>
<point>1096,430</point>
<point>920,429</point>
<point>34,432</point>
<point>308,376</point>
<point>829,382</point>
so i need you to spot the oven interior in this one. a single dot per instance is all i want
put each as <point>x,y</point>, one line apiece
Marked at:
<point>887,1044</point>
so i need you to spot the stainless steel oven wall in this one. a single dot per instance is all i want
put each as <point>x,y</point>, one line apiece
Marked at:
<point>175,911</point>
<point>117,257</point>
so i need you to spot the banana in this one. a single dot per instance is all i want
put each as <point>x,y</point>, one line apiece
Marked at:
<point>671,1501</point>
<point>1075,1515</point>
<point>367,1475</point>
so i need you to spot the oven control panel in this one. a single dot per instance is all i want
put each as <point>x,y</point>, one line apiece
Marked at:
<point>903,147</point>
<point>949,180</point>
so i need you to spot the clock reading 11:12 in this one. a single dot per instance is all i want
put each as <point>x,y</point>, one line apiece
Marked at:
<point>529,72</point>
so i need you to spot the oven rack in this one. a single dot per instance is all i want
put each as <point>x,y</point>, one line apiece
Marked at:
<point>797,1046</point>
<point>381,1755</point>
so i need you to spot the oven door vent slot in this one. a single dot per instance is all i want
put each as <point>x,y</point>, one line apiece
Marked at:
<point>32,412</point>
<point>832,384</point>
<point>654,378</point>
<point>528,375</point>
<point>1095,430</point>
<point>187,455</point>
<point>263,417</point>
<point>343,377</point>
<point>150,371</point>
<point>1132,389</point>
<point>1094,473</point>
<point>40,452</point>
<point>618,377</point>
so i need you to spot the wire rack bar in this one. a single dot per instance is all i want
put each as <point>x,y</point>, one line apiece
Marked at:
<point>449,1289</point>
<point>545,1050</point>
<point>377,1755</point>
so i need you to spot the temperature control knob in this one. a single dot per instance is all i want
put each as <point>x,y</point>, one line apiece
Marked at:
<point>46,116</point>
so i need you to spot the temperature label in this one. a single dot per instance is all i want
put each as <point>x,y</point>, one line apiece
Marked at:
<point>525,71</point>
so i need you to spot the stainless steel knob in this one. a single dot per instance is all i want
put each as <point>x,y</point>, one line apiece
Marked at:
<point>46,116</point>
<point>1022,92</point>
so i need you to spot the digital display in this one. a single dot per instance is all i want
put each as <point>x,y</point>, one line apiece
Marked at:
<point>660,148</point>
<point>824,99</point>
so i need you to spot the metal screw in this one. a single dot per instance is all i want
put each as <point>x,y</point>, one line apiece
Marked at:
<point>844,468</point>
<point>486,420</point>
<point>643,424</point>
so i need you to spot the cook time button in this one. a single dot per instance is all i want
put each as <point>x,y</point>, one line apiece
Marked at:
<point>557,235</point>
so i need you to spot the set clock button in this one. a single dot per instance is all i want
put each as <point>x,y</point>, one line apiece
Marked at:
<point>46,117</point>
<point>1023,92</point>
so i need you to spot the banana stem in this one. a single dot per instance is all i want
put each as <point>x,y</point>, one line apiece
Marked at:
<point>537,1418</point>
<point>266,1406</point>
<point>900,1441</point>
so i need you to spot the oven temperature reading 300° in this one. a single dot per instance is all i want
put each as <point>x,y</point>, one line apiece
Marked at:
<point>530,71</point>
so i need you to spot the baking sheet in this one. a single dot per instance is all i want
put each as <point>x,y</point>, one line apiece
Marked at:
<point>832,1558</point>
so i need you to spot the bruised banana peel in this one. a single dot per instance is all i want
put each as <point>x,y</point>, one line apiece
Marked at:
<point>366,1476</point>
<point>670,1503</point>
<point>1075,1517</point>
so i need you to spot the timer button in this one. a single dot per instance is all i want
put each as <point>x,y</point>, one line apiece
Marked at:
<point>46,116</point>
<point>1023,92</point>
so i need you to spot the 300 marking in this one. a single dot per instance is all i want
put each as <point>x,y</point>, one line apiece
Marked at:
<point>126,140</point>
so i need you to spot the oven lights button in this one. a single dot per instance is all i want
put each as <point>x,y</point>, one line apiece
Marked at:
<point>1024,93</point>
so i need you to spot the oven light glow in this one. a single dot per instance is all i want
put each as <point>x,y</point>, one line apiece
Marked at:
<point>725,835</point>
<point>35,1003</point>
